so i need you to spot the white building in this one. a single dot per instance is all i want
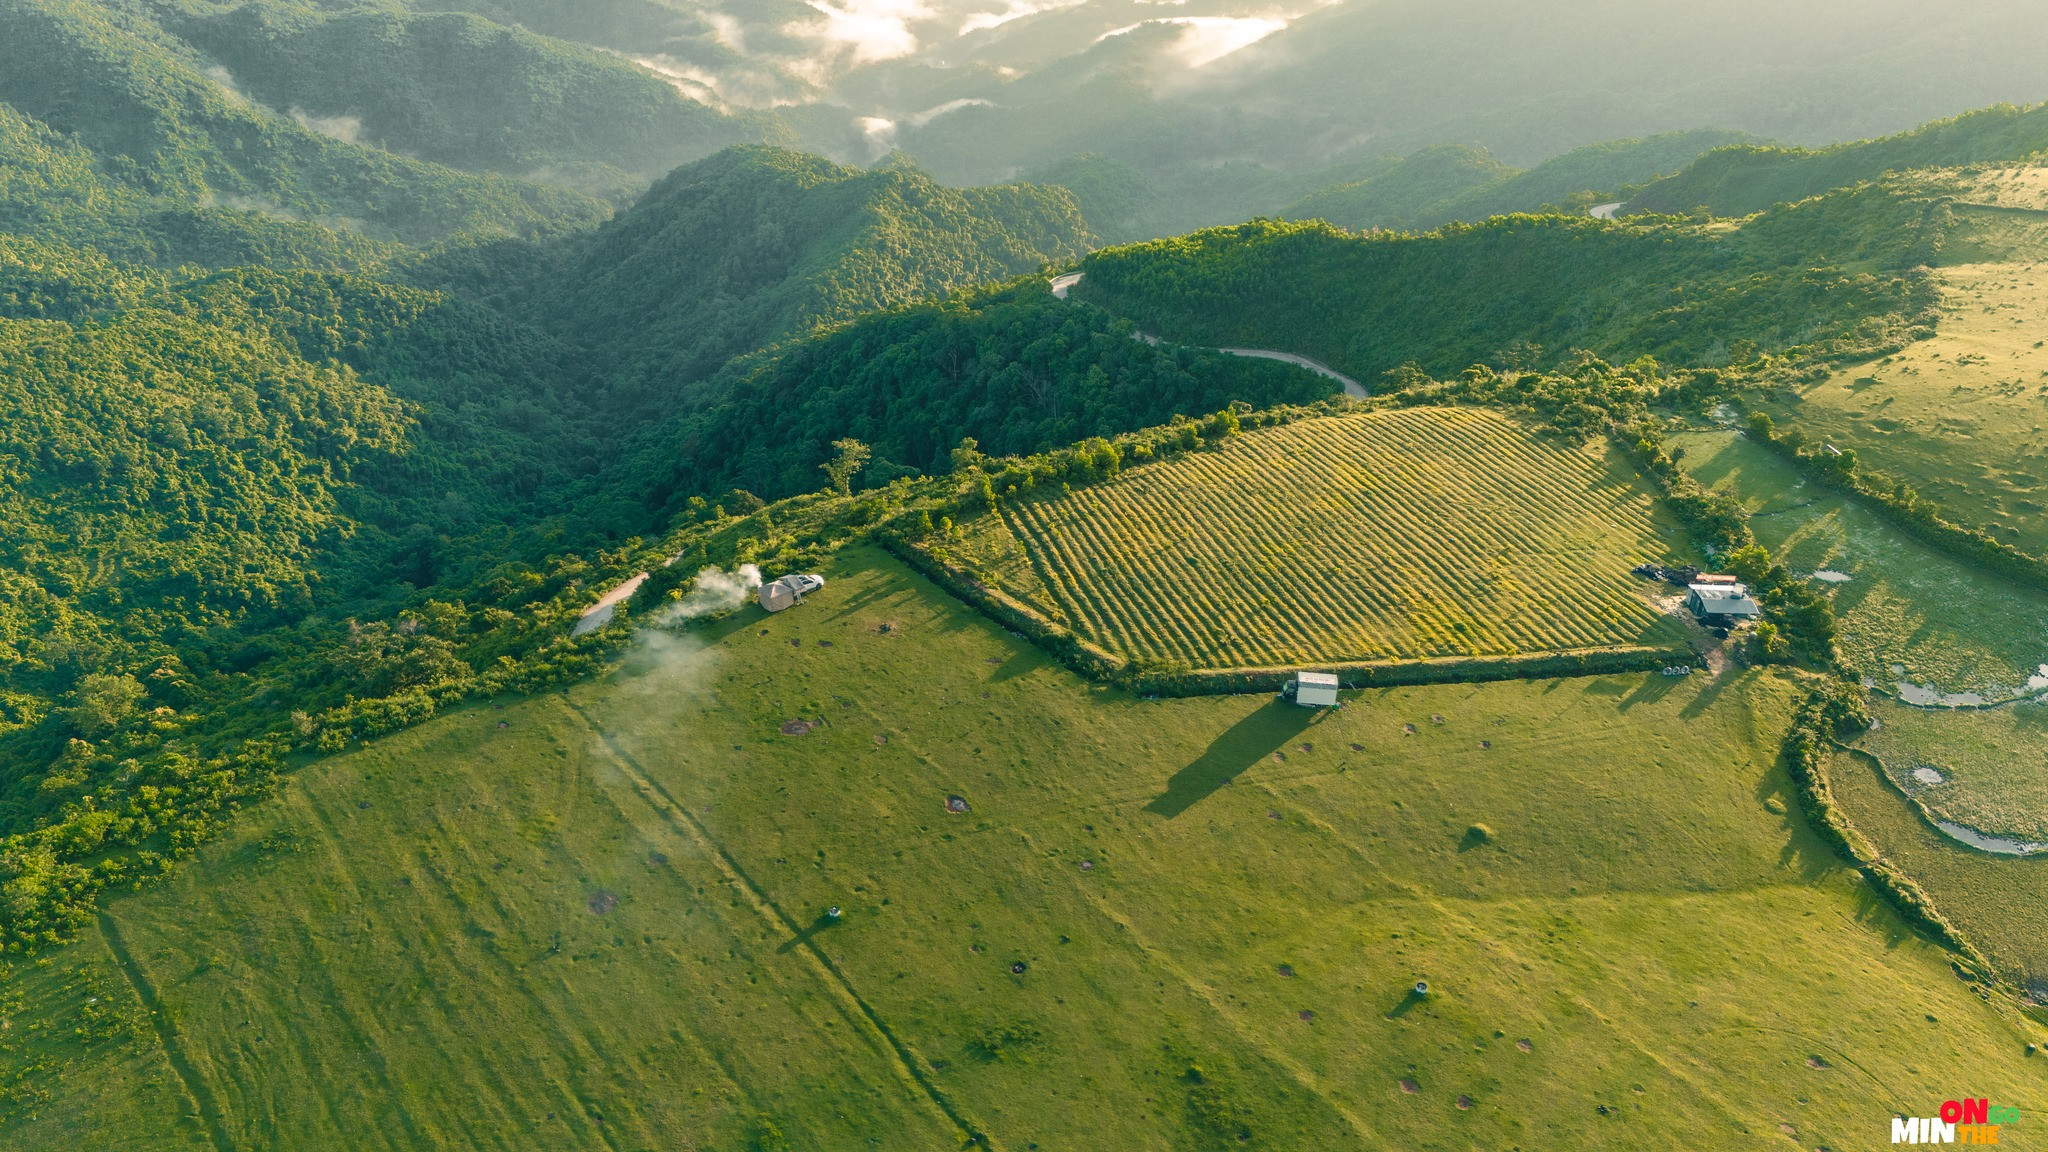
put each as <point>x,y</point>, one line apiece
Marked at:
<point>1315,689</point>
<point>1721,603</point>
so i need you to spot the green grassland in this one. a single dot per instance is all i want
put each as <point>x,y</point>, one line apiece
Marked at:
<point>1908,613</point>
<point>1399,534</point>
<point>1994,763</point>
<point>594,919</point>
<point>2000,902</point>
<point>1963,417</point>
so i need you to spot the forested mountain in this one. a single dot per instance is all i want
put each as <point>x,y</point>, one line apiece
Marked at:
<point>460,90</point>
<point>756,244</point>
<point>1010,367</point>
<point>1404,195</point>
<point>1741,179</point>
<point>163,126</point>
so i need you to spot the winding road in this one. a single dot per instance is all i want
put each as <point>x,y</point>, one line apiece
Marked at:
<point>1062,284</point>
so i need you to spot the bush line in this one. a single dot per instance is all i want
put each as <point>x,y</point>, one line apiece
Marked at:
<point>1899,504</point>
<point>1834,709</point>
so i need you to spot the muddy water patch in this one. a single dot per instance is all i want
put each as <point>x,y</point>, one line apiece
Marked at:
<point>1998,845</point>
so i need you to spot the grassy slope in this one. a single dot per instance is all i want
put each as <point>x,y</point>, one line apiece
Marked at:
<point>1997,901</point>
<point>1352,538</point>
<point>1994,763</point>
<point>1944,623</point>
<point>385,976</point>
<point>1961,416</point>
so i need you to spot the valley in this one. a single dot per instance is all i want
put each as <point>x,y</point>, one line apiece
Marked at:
<point>1396,576</point>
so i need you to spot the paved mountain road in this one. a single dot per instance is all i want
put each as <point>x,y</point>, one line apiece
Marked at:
<point>1352,388</point>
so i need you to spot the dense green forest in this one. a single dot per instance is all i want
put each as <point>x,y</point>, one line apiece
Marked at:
<point>460,90</point>
<point>1011,367</point>
<point>756,244</point>
<point>1745,178</point>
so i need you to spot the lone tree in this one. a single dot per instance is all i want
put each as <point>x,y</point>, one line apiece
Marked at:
<point>849,456</point>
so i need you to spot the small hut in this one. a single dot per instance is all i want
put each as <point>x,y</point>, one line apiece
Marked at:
<point>1315,689</point>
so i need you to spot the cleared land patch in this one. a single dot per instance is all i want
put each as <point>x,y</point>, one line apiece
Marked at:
<point>1394,535</point>
<point>1642,948</point>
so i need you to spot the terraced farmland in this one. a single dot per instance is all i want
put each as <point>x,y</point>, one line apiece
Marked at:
<point>1406,534</point>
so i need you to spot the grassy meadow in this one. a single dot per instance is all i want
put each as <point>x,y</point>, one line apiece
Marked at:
<point>1398,534</point>
<point>597,919</point>
<point>2000,902</point>
<point>1993,763</point>
<point>1963,417</point>
<point>1908,613</point>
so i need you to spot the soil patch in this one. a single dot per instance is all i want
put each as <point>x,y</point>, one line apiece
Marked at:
<point>602,901</point>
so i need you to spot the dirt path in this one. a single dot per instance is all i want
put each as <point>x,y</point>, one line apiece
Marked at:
<point>1061,285</point>
<point>1352,388</point>
<point>600,614</point>
<point>1712,649</point>
<point>1604,211</point>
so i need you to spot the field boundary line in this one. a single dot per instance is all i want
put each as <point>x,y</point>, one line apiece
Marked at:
<point>907,1061</point>
<point>210,1115</point>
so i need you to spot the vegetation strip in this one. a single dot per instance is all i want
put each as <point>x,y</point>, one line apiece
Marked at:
<point>908,1063</point>
<point>1897,501</point>
<point>1832,710</point>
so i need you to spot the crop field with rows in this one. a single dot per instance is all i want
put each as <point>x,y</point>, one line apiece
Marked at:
<point>1407,534</point>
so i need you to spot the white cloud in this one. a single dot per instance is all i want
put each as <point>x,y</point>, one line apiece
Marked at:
<point>1207,39</point>
<point>347,129</point>
<point>1017,10</point>
<point>930,114</point>
<point>869,30</point>
<point>879,133</point>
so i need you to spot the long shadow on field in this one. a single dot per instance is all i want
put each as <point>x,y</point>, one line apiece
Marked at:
<point>1257,735</point>
<point>823,922</point>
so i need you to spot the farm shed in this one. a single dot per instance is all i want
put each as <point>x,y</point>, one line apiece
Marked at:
<point>1315,689</point>
<point>1721,602</point>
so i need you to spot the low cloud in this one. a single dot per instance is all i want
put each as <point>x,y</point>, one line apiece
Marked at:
<point>930,114</point>
<point>347,129</point>
<point>1207,39</point>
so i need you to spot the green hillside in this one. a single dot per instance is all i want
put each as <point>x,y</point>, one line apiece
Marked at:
<point>1741,179</point>
<point>1404,195</point>
<point>757,244</point>
<point>156,121</point>
<point>1009,366</point>
<point>598,919</point>
<point>457,89</point>
<point>1829,276</point>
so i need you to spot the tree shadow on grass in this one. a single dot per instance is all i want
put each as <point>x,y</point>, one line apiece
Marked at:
<point>823,922</point>
<point>1257,735</point>
<point>1409,1000</point>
